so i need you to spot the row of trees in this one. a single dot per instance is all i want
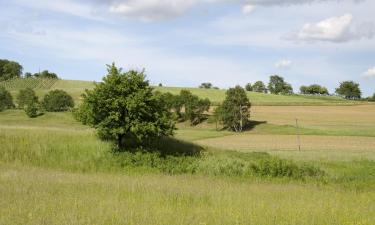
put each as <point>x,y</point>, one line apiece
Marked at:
<point>53,101</point>
<point>276,85</point>
<point>11,69</point>
<point>314,89</point>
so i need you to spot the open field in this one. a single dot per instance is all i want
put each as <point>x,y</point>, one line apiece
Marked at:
<point>54,170</point>
<point>76,88</point>
<point>39,196</point>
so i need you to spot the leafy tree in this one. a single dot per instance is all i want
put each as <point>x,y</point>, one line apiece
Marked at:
<point>124,108</point>
<point>206,85</point>
<point>314,89</point>
<point>32,109</point>
<point>6,100</point>
<point>349,89</point>
<point>57,101</point>
<point>194,106</point>
<point>234,113</point>
<point>46,74</point>
<point>277,85</point>
<point>248,87</point>
<point>9,69</point>
<point>28,75</point>
<point>259,87</point>
<point>25,97</point>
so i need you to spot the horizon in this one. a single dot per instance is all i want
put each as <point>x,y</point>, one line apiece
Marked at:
<point>184,43</point>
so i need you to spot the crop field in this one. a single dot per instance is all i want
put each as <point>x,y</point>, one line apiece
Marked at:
<point>54,170</point>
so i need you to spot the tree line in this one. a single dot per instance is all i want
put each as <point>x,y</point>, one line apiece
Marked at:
<point>11,69</point>
<point>278,85</point>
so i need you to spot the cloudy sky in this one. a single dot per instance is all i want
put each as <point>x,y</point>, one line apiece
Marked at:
<point>186,42</point>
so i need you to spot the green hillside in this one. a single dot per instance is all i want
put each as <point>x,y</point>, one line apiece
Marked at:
<point>76,88</point>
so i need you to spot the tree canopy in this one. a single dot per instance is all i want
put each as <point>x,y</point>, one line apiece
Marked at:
<point>234,113</point>
<point>124,108</point>
<point>6,100</point>
<point>277,85</point>
<point>314,89</point>
<point>259,87</point>
<point>57,101</point>
<point>248,87</point>
<point>349,90</point>
<point>206,85</point>
<point>9,70</point>
<point>25,97</point>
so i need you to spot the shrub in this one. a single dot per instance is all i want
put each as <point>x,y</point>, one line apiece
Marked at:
<point>248,87</point>
<point>57,101</point>
<point>6,99</point>
<point>32,109</point>
<point>26,97</point>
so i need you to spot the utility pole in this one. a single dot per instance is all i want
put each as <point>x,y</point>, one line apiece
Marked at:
<point>298,136</point>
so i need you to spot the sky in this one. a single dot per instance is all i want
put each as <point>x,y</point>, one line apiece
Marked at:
<point>187,42</point>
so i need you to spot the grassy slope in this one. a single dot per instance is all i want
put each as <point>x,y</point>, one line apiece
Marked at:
<point>76,88</point>
<point>47,176</point>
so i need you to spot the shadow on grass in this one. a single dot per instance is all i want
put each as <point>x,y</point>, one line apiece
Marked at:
<point>175,147</point>
<point>252,124</point>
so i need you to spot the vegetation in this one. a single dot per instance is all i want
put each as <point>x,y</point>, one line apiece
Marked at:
<point>124,108</point>
<point>26,97</point>
<point>6,99</point>
<point>57,101</point>
<point>45,74</point>
<point>277,85</point>
<point>206,85</point>
<point>314,89</point>
<point>248,87</point>
<point>349,90</point>
<point>234,113</point>
<point>9,70</point>
<point>259,87</point>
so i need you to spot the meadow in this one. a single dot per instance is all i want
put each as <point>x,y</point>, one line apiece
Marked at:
<point>54,170</point>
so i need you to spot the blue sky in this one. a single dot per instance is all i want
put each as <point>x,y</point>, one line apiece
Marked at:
<point>186,42</point>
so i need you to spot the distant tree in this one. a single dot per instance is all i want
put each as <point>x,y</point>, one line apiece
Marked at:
<point>46,74</point>
<point>194,106</point>
<point>32,109</point>
<point>259,87</point>
<point>9,70</point>
<point>314,89</point>
<point>217,88</point>
<point>124,108</point>
<point>28,75</point>
<point>206,85</point>
<point>277,85</point>
<point>26,96</point>
<point>234,112</point>
<point>248,87</point>
<point>6,100</point>
<point>57,101</point>
<point>160,85</point>
<point>349,90</point>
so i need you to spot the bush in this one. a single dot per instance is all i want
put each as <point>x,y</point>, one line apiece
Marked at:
<point>6,99</point>
<point>57,101</point>
<point>32,109</point>
<point>26,97</point>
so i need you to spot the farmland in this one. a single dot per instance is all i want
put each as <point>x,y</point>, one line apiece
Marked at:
<point>54,170</point>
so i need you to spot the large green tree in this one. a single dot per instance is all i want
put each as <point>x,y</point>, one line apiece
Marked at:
<point>26,97</point>
<point>277,85</point>
<point>234,112</point>
<point>9,69</point>
<point>123,108</point>
<point>57,101</point>
<point>349,90</point>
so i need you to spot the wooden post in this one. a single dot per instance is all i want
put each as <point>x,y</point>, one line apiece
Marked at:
<point>298,136</point>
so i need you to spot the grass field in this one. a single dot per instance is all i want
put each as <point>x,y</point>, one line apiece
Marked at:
<point>76,88</point>
<point>54,170</point>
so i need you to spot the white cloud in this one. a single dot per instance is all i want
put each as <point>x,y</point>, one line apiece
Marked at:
<point>334,29</point>
<point>284,64</point>
<point>370,73</point>
<point>247,9</point>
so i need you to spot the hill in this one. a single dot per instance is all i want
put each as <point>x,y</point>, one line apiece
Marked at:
<point>76,88</point>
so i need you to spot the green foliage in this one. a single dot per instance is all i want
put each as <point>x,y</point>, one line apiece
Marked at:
<point>26,97</point>
<point>9,70</point>
<point>248,87</point>
<point>57,101</point>
<point>124,108</point>
<point>206,85</point>
<point>194,106</point>
<point>6,99</point>
<point>259,87</point>
<point>32,109</point>
<point>314,89</point>
<point>277,85</point>
<point>45,74</point>
<point>234,113</point>
<point>349,90</point>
